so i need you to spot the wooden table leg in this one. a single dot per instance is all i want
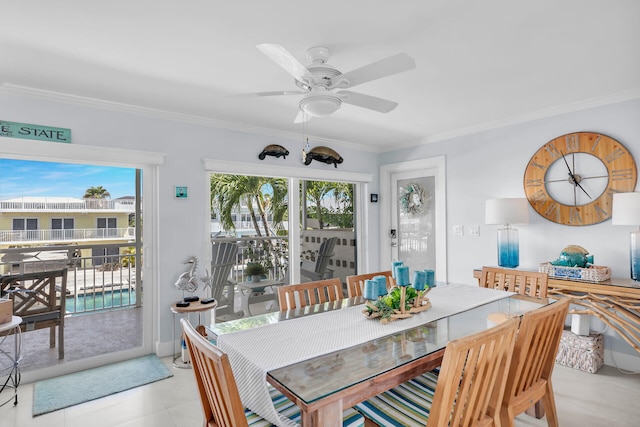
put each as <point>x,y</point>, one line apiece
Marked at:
<point>327,416</point>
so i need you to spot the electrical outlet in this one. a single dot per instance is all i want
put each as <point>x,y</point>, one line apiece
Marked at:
<point>474,230</point>
<point>458,230</point>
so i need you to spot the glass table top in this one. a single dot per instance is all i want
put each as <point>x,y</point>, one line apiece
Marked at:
<point>323,375</point>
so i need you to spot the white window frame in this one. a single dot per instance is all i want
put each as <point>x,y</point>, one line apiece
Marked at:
<point>294,175</point>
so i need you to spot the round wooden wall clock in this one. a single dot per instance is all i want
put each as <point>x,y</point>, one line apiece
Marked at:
<point>571,179</point>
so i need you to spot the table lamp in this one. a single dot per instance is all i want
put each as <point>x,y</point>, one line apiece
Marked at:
<point>506,212</point>
<point>626,211</point>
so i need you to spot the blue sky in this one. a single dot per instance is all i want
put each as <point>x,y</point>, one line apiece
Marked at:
<point>23,178</point>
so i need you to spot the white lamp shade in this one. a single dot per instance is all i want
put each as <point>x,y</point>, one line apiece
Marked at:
<point>507,211</point>
<point>626,209</point>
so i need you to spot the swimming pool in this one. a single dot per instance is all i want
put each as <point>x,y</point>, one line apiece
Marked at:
<point>100,300</point>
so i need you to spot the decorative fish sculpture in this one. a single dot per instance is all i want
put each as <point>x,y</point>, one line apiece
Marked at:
<point>574,256</point>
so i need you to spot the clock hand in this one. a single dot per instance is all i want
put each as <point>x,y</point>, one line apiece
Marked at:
<point>583,190</point>
<point>566,163</point>
<point>573,178</point>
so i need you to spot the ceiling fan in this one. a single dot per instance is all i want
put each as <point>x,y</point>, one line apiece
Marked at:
<point>322,85</point>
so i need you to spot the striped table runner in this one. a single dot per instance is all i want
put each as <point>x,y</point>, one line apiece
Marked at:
<point>254,352</point>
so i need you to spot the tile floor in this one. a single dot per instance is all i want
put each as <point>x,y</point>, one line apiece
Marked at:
<point>608,398</point>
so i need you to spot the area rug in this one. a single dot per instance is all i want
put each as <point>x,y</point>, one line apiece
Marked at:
<point>68,390</point>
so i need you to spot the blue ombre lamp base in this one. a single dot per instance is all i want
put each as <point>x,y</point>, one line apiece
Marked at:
<point>634,252</point>
<point>508,247</point>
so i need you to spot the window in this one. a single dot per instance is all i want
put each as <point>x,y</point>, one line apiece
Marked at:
<point>28,228</point>
<point>107,227</point>
<point>62,228</point>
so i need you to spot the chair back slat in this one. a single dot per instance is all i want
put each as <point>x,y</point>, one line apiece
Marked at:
<point>217,387</point>
<point>355,283</point>
<point>531,283</point>
<point>309,293</point>
<point>472,378</point>
<point>222,262</point>
<point>325,252</point>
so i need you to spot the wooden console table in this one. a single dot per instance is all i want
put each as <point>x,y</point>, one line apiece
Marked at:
<point>616,302</point>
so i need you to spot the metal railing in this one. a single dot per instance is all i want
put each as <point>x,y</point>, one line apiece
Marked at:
<point>25,236</point>
<point>104,280</point>
<point>55,204</point>
<point>272,252</point>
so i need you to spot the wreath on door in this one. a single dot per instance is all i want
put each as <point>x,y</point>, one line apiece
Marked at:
<point>414,199</point>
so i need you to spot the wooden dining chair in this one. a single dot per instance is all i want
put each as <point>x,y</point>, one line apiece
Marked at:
<point>218,391</point>
<point>529,283</point>
<point>309,293</point>
<point>355,283</point>
<point>467,391</point>
<point>534,357</point>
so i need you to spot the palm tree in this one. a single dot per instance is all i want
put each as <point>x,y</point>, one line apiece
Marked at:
<point>318,191</point>
<point>259,194</point>
<point>98,192</point>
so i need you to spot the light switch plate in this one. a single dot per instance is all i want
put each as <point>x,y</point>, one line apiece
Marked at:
<point>458,230</point>
<point>474,230</point>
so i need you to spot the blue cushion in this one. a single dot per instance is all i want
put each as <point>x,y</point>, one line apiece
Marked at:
<point>406,405</point>
<point>351,417</point>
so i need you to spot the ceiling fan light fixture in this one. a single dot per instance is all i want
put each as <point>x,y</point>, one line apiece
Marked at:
<point>319,105</point>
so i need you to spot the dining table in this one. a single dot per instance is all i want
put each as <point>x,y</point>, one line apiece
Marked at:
<point>330,356</point>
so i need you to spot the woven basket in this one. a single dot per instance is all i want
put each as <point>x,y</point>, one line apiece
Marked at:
<point>595,273</point>
<point>585,353</point>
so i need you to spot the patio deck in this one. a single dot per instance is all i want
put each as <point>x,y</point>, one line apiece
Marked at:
<point>94,334</point>
<point>85,336</point>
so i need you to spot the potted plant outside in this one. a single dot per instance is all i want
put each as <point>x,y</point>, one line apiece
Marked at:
<point>255,270</point>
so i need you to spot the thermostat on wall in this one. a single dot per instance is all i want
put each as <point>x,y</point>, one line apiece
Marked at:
<point>181,192</point>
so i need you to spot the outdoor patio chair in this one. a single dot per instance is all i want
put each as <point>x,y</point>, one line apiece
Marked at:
<point>320,270</point>
<point>223,260</point>
<point>39,298</point>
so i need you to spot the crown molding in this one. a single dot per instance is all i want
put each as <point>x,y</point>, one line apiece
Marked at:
<point>10,89</point>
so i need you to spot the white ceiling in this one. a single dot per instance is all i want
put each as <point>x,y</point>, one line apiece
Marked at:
<point>480,64</point>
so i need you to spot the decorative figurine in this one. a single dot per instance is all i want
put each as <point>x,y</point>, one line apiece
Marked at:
<point>274,150</point>
<point>574,256</point>
<point>188,281</point>
<point>322,154</point>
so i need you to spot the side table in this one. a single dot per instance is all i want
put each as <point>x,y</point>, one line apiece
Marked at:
<point>194,307</point>
<point>13,376</point>
<point>253,292</point>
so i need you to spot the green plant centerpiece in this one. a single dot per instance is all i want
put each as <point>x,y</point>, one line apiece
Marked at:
<point>400,303</point>
<point>255,270</point>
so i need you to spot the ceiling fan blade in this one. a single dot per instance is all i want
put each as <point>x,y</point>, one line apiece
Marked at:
<point>367,101</point>
<point>382,68</point>
<point>301,117</point>
<point>284,59</point>
<point>272,93</point>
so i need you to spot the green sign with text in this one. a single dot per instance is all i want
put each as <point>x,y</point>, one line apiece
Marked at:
<point>28,131</point>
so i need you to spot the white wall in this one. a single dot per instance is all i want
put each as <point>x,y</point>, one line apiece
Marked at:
<point>183,224</point>
<point>491,164</point>
<point>480,166</point>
